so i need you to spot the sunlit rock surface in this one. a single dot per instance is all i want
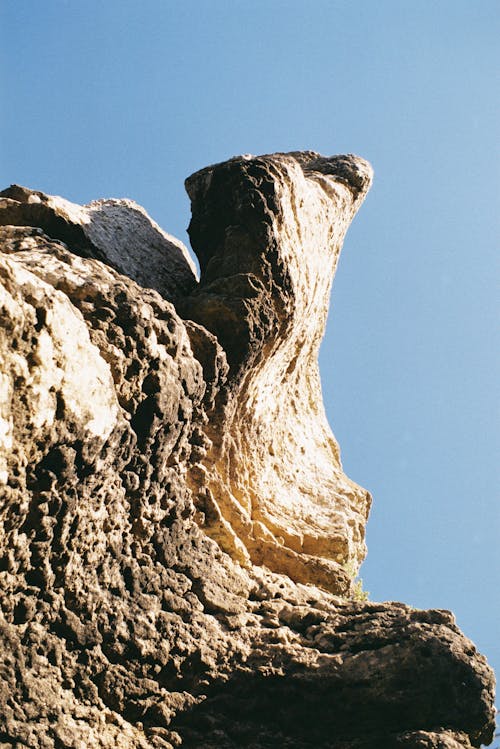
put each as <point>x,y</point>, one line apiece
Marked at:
<point>177,537</point>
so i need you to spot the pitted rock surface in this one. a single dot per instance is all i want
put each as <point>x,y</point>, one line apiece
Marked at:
<point>177,537</point>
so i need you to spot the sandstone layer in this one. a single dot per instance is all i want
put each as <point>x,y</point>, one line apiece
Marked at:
<point>178,540</point>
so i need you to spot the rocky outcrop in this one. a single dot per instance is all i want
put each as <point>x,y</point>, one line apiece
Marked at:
<point>268,234</point>
<point>177,537</point>
<point>118,232</point>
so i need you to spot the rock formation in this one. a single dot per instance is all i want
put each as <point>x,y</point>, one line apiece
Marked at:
<point>177,537</point>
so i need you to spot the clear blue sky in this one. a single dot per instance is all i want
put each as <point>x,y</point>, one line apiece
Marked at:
<point>113,98</point>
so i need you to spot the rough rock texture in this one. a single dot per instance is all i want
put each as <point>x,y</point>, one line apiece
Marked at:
<point>177,537</point>
<point>118,232</point>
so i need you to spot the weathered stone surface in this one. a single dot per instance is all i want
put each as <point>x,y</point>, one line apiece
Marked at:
<point>118,232</point>
<point>177,537</point>
<point>268,234</point>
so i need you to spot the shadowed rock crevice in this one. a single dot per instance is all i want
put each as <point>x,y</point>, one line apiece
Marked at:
<point>177,536</point>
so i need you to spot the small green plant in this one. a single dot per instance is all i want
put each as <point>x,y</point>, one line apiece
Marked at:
<point>357,591</point>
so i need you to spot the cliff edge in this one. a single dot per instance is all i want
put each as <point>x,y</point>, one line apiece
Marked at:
<point>178,540</point>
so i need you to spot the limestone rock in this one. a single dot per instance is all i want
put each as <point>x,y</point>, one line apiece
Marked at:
<point>268,234</point>
<point>177,536</point>
<point>118,232</point>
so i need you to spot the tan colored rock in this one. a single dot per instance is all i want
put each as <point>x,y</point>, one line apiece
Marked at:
<point>268,245</point>
<point>175,526</point>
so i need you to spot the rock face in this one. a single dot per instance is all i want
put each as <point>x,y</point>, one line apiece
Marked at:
<point>177,537</point>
